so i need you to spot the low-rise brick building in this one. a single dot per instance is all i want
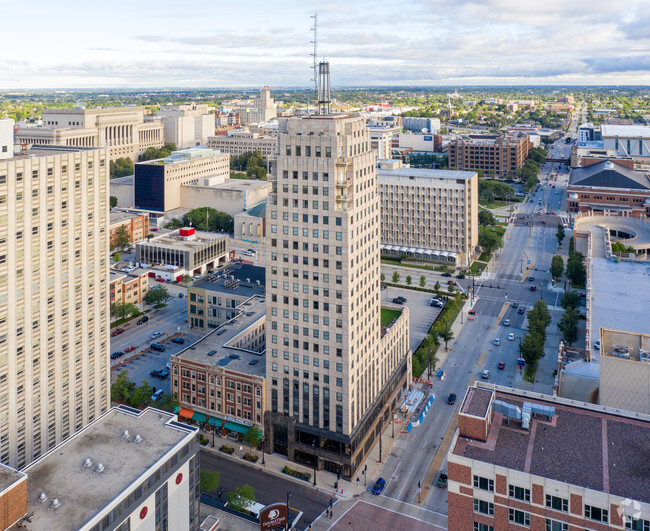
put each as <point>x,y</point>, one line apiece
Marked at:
<point>128,288</point>
<point>494,154</point>
<point>136,225</point>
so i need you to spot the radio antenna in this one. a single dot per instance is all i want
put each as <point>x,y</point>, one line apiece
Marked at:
<point>314,55</point>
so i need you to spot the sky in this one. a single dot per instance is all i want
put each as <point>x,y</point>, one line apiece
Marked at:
<point>249,43</point>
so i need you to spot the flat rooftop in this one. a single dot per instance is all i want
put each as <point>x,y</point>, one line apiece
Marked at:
<point>115,275</point>
<point>174,240</point>
<point>37,150</point>
<point>235,184</point>
<point>422,175</point>
<point>477,401</point>
<point>84,492</point>
<point>591,446</point>
<point>214,348</point>
<point>9,476</point>
<point>634,131</point>
<point>248,275</point>
<point>117,216</point>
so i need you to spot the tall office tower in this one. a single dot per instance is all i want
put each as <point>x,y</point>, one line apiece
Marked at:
<point>54,312</point>
<point>332,371</point>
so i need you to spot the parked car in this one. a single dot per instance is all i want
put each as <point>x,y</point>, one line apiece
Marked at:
<point>117,332</point>
<point>156,334</point>
<point>143,319</point>
<point>379,486</point>
<point>501,365</point>
<point>533,288</point>
<point>399,300</point>
<point>511,337</point>
<point>521,311</point>
<point>129,349</point>
<point>178,340</point>
<point>159,279</point>
<point>506,322</point>
<point>515,304</point>
<point>437,304</point>
<point>116,355</point>
<point>485,374</point>
<point>496,341</point>
<point>531,278</point>
<point>158,347</point>
<point>597,345</point>
<point>451,399</point>
<point>252,251</point>
<point>157,395</point>
<point>442,480</point>
<point>446,274</point>
<point>159,373</point>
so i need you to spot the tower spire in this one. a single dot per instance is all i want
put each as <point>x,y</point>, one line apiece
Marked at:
<point>314,55</point>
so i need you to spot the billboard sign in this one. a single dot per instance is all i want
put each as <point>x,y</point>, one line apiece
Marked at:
<point>428,139</point>
<point>273,516</point>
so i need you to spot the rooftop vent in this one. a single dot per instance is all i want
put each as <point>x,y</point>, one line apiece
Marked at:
<point>125,434</point>
<point>56,503</point>
<point>42,497</point>
<point>100,468</point>
<point>137,438</point>
<point>257,282</point>
<point>609,165</point>
<point>88,463</point>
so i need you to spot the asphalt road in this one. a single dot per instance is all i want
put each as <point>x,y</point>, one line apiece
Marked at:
<point>269,488</point>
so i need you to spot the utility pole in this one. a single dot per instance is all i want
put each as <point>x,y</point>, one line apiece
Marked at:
<point>381,428</point>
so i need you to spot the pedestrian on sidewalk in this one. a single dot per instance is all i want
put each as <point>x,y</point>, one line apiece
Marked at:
<point>327,513</point>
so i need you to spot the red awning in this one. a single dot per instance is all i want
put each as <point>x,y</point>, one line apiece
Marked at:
<point>187,413</point>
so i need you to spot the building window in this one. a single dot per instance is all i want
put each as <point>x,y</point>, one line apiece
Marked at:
<point>558,504</point>
<point>483,507</point>
<point>596,513</point>
<point>552,525</point>
<point>636,524</point>
<point>482,527</point>
<point>519,517</point>
<point>519,493</point>
<point>483,483</point>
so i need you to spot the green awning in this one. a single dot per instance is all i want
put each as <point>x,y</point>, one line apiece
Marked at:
<point>199,417</point>
<point>212,421</point>
<point>233,426</point>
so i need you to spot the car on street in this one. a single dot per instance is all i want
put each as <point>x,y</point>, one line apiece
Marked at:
<point>156,334</point>
<point>597,345</point>
<point>496,341</point>
<point>533,288</point>
<point>531,279</point>
<point>461,276</point>
<point>446,275</point>
<point>178,340</point>
<point>379,486</point>
<point>143,319</point>
<point>521,311</point>
<point>399,300</point>
<point>251,251</point>
<point>117,332</point>
<point>159,279</point>
<point>159,373</point>
<point>515,304</point>
<point>117,354</point>
<point>511,337</point>
<point>157,395</point>
<point>485,374</point>
<point>506,322</point>
<point>451,399</point>
<point>129,349</point>
<point>501,365</point>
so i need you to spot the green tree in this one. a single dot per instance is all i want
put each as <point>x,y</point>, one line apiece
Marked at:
<point>446,333</point>
<point>382,277</point>
<point>210,220</point>
<point>437,286</point>
<point>252,436</point>
<point>409,280</point>
<point>423,281</point>
<point>113,201</point>
<point>485,217</point>
<point>429,346</point>
<point>568,325</point>
<point>121,167</point>
<point>575,268</point>
<point>395,277</point>
<point>532,348</point>
<point>122,389</point>
<point>156,296</point>
<point>122,238</point>
<point>209,480</point>
<point>489,241</point>
<point>123,310</point>
<point>141,394</point>
<point>450,288</point>
<point>117,257</point>
<point>570,299</point>
<point>560,234</point>
<point>557,266</point>
<point>174,223</point>
<point>241,497</point>
<point>539,318</point>
<point>186,279</point>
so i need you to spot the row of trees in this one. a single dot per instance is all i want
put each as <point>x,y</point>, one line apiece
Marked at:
<point>250,162</point>
<point>205,219</point>
<point>532,345</point>
<point>138,396</point>
<point>422,282</point>
<point>529,172</point>
<point>490,189</point>
<point>121,167</point>
<point>155,153</point>
<point>568,324</point>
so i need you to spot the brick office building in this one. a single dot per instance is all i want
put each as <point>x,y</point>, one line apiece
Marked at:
<point>529,460</point>
<point>494,154</point>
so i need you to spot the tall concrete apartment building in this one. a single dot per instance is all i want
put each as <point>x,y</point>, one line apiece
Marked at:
<point>333,375</point>
<point>495,154</point>
<point>238,142</point>
<point>122,129</point>
<point>6,138</point>
<point>429,214</point>
<point>186,125</point>
<point>527,460</point>
<point>54,287</point>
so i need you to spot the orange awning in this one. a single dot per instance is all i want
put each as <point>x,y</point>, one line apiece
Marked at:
<point>187,413</point>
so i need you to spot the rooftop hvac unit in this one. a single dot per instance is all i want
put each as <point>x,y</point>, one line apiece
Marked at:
<point>248,280</point>
<point>621,351</point>
<point>100,468</point>
<point>42,497</point>
<point>644,355</point>
<point>257,282</point>
<point>56,503</point>
<point>88,463</point>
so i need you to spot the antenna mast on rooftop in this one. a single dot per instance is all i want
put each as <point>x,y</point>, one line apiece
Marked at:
<point>314,55</point>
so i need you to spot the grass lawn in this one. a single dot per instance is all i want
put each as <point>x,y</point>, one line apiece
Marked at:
<point>416,265</point>
<point>476,265</point>
<point>388,315</point>
<point>491,205</point>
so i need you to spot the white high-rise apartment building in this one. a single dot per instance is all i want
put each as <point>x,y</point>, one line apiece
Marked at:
<point>54,308</point>
<point>186,125</point>
<point>6,138</point>
<point>332,373</point>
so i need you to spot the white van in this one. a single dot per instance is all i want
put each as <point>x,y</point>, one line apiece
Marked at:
<point>254,509</point>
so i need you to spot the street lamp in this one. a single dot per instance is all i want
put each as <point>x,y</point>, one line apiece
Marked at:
<point>381,428</point>
<point>289,493</point>
<point>313,445</point>
<point>262,442</point>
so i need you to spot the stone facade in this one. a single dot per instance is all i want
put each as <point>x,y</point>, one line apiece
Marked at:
<point>494,154</point>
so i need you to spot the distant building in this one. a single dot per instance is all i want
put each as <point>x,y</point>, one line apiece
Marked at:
<point>158,182</point>
<point>137,225</point>
<point>628,140</point>
<point>429,214</point>
<point>214,300</point>
<point>494,154</point>
<point>566,99</point>
<point>6,138</point>
<point>263,110</point>
<point>250,225</point>
<point>220,381</point>
<point>238,142</point>
<point>417,125</point>
<point>526,460</point>
<point>424,143</point>
<point>608,186</point>
<point>586,133</point>
<point>128,288</point>
<point>381,139</point>
<point>186,125</point>
<point>123,130</point>
<point>128,470</point>
<point>186,251</point>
